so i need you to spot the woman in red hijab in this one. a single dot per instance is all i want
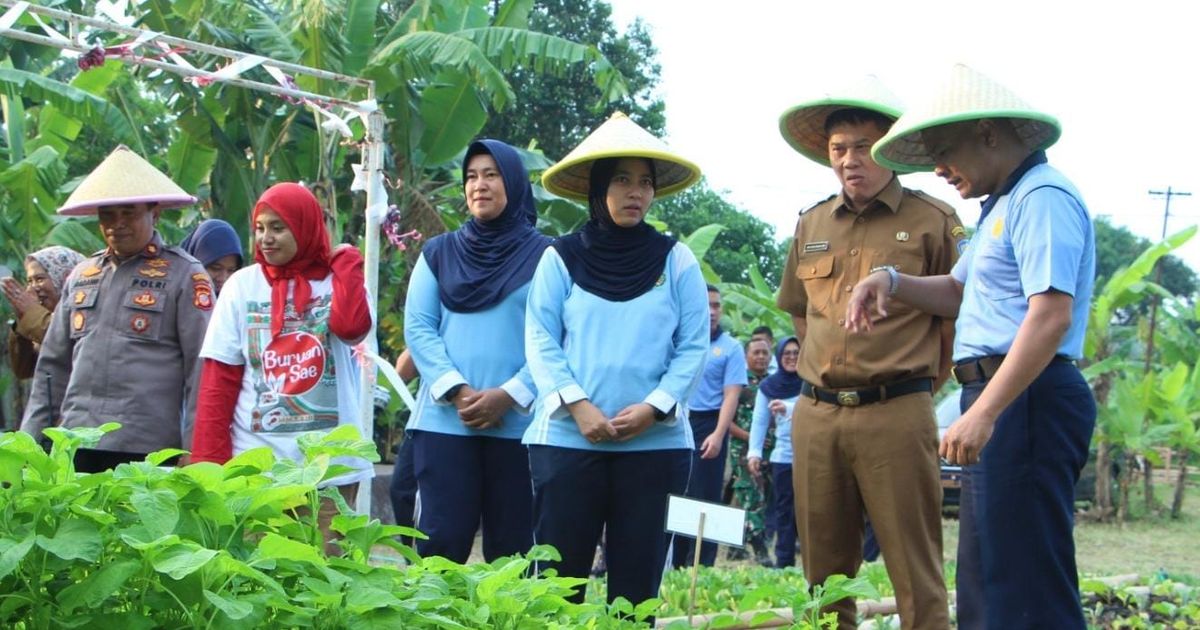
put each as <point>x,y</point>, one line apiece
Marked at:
<point>277,355</point>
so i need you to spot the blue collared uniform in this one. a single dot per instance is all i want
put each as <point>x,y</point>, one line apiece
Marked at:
<point>464,475</point>
<point>1016,556</point>
<point>648,349</point>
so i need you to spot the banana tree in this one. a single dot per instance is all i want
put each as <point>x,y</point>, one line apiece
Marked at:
<point>1103,346</point>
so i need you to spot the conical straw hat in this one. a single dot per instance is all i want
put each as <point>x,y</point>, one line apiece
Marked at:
<point>803,126</point>
<point>124,178</point>
<point>619,137</point>
<point>968,95</point>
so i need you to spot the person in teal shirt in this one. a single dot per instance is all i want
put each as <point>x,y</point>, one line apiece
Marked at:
<point>464,322</point>
<point>616,337</point>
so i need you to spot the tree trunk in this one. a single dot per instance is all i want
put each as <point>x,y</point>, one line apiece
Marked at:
<point>1123,482</point>
<point>1180,484</point>
<point>1148,486</point>
<point>1104,502</point>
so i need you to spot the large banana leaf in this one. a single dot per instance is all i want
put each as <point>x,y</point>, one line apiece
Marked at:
<point>190,159</point>
<point>74,102</point>
<point>360,34</point>
<point>514,14</point>
<point>423,54</point>
<point>31,191</point>
<point>510,47</point>
<point>453,115</point>
<point>76,235</point>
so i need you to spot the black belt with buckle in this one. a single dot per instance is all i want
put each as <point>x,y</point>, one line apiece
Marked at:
<point>979,369</point>
<point>867,395</point>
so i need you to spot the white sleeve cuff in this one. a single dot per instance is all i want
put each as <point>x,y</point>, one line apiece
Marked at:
<point>754,452</point>
<point>438,390</point>
<point>522,397</point>
<point>559,400</point>
<point>662,401</point>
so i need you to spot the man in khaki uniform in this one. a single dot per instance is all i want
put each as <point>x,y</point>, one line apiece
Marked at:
<point>863,433</point>
<point>123,343</point>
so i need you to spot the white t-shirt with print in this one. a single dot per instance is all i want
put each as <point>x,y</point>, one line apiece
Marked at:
<point>304,380</point>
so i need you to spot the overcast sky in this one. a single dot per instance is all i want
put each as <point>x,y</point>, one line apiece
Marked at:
<point>1122,83</point>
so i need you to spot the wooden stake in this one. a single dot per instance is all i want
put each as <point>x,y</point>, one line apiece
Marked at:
<point>695,568</point>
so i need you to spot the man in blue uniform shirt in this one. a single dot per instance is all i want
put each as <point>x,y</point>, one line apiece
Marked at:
<point>711,409</point>
<point>1021,292</point>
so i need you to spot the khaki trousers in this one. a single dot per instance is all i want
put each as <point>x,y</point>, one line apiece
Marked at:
<point>882,458</point>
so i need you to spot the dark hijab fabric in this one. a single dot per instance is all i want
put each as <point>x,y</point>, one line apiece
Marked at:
<point>613,262</point>
<point>213,240</point>
<point>783,384</point>
<point>480,263</point>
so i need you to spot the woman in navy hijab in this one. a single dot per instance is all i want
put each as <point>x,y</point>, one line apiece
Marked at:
<point>216,245</point>
<point>464,321</point>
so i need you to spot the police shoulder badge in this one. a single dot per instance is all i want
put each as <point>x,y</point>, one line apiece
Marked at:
<point>91,271</point>
<point>202,296</point>
<point>77,321</point>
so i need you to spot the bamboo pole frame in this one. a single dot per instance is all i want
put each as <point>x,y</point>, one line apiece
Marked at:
<point>174,49</point>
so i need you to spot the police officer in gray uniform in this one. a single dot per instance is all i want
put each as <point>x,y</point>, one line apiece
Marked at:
<point>123,343</point>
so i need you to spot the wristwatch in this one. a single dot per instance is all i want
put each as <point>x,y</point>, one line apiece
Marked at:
<point>893,277</point>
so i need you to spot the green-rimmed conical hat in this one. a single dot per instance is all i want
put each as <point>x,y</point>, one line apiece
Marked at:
<point>619,137</point>
<point>124,178</point>
<point>968,95</point>
<point>803,126</point>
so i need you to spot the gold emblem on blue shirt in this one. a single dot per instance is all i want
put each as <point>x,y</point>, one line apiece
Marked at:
<point>716,352</point>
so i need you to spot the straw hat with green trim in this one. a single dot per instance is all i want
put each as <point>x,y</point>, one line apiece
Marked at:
<point>619,137</point>
<point>124,178</point>
<point>968,95</point>
<point>803,126</point>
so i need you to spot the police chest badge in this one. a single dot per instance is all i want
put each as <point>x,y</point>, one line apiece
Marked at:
<point>145,299</point>
<point>139,324</point>
<point>151,272</point>
<point>716,352</point>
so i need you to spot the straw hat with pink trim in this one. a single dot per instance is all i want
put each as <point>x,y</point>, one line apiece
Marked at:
<point>124,178</point>
<point>968,95</point>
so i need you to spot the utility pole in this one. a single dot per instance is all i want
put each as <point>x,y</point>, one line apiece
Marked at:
<point>1158,266</point>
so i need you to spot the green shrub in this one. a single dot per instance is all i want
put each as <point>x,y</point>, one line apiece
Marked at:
<point>208,546</point>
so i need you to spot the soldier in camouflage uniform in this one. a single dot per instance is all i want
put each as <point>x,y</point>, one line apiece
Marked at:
<point>749,493</point>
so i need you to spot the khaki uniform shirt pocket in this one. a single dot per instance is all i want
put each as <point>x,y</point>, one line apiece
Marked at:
<point>141,314</point>
<point>817,275</point>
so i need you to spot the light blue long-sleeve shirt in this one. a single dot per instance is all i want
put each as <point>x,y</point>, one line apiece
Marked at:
<point>649,349</point>
<point>484,349</point>
<point>782,452</point>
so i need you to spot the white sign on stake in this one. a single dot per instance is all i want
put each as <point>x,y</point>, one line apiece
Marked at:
<point>722,524</point>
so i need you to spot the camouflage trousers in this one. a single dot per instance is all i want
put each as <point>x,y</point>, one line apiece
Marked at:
<point>751,494</point>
